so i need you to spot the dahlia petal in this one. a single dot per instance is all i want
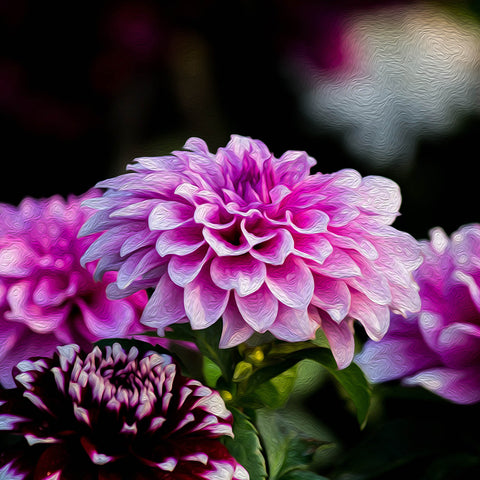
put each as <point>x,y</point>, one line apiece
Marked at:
<point>310,221</point>
<point>371,283</point>
<point>374,318</point>
<point>204,301</point>
<point>167,215</point>
<point>354,241</point>
<point>259,309</point>
<point>197,145</point>
<point>331,295</point>
<point>136,211</point>
<point>394,358</point>
<point>456,342</point>
<point>314,247</point>
<point>8,472</point>
<point>138,240</point>
<point>275,250</point>
<point>98,222</point>
<point>168,465</point>
<point>459,386</point>
<point>221,246</point>
<point>380,195</point>
<point>110,240</point>
<point>340,338</point>
<point>184,269</point>
<point>16,258</point>
<point>252,238</point>
<point>341,215</point>
<point>292,325</point>
<point>243,273</point>
<point>208,214</point>
<point>107,318</point>
<point>293,167</point>
<point>339,264</point>
<point>9,422</point>
<point>182,242</point>
<point>22,309</point>
<point>136,265</point>
<point>292,282</point>
<point>235,329</point>
<point>166,305</point>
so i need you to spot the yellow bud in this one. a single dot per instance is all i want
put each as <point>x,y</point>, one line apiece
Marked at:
<point>242,371</point>
<point>226,395</point>
<point>256,356</point>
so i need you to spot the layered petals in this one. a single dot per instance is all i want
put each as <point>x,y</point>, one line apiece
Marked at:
<point>259,240</point>
<point>438,348</point>
<point>47,297</point>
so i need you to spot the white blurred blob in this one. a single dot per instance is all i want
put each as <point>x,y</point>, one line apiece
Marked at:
<point>411,71</point>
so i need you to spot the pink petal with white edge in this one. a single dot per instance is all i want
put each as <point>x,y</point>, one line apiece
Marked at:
<point>167,215</point>
<point>314,247</point>
<point>258,309</point>
<point>310,221</point>
<point>165,306</point>
<point>275,250</point>
<point>243,273</point>
<point>380,195</point>
<point>294,325</point>
<point>221,246</point>
<point>180,241</point>
<point>338,264</point>
<point>374,318</point>
<point>184,269</point>
<point>340,338</point>
<point>204,301</point>
<point>331,295</point>
<point>235,330</point>
<point>293,167</point>
<point>292,283</point>
<point>459,386</point>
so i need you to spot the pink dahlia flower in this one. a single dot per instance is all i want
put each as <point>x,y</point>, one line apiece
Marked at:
<point>46,297</point>
<point>438,348</point>
<point>114,414</point>
<point>257,240</point>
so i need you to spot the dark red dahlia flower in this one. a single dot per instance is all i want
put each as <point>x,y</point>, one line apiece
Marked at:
<point>114,414</point>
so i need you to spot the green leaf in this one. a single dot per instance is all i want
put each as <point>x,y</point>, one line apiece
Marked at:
<point>275,392</point>
<point>246,447</point>
<point>211,372</point>
<point>291,439</point>
<point>351,379</point>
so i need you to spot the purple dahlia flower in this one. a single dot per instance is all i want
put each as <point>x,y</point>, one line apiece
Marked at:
<point>438,348</point>
<point>46,297</point>
<point>114,414</point>
<point>257,240</point>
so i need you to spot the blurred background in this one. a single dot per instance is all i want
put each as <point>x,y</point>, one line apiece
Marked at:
<point>389,88</point>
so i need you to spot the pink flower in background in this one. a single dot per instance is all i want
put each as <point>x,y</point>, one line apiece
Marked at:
<point>438,348</point>
<point>46,297</point>
<point>257,240</point>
